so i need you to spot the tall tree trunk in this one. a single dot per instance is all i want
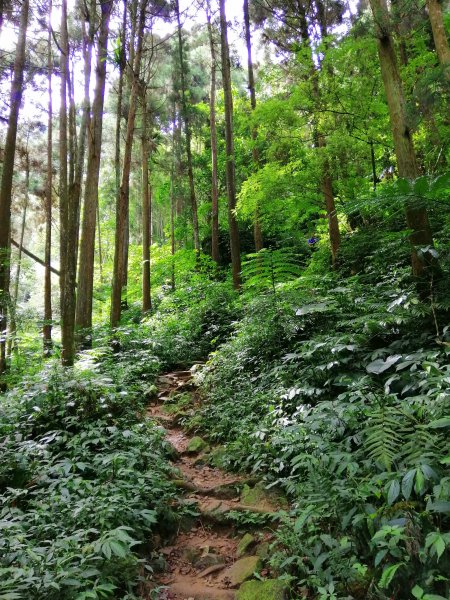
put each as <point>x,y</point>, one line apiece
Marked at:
<point>48,314</point>
<point>146,209</point>
<point>66,231</point>
<point>416,214</point>
<point>257,232</point>
<point>179,205</point>
<point>72,197</point>
<point>213,132</point>
<point>439,34</point>
<point>187,133</point>
<point>172,198</point>
<point>12,342</point>
<point>7,178</point>
<point>100,253</point>
<point>90,208</point>
<point>122,65</point>
<point>122,213</point>
<point>229,142</point>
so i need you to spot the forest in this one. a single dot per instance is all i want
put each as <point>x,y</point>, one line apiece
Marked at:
<point>224,299</point>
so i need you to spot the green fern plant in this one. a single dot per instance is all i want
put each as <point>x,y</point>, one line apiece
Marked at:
<point>267,268</point>
<point>384,436</point>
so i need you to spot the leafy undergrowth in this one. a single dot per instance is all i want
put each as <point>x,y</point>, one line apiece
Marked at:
<point>84,481</point>
<point>332,386</point>
<point>337,390</point>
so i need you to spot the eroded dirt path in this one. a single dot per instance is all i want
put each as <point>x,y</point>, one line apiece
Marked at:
<point>208,559</point>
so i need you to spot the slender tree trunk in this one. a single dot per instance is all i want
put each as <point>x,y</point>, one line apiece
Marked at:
<point>122,65</point>
<point>12,342</point>
<point>76,164</point>
<point>100,253</point>
<point>172,199</point>
<point>187,133</point>
<point>72,129</point>
<point>146,209</point>
<point>179,204</point>
<point>126,247</point>
<point>90,208</point>
<point>66,226</point>
<point>257,232</point>
<point>7,178</point>
<point>416,214</point>
<point>48,314</point>
<point>439,34</point>
<point>129,81</point>
<point>213,131</point>
<point>122,214</point>
<point>229,142</point>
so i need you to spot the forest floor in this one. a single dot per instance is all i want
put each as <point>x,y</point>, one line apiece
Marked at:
<point>212,557</point>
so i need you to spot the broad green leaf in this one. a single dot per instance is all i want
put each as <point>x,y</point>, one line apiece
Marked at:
<point>440,423</point>
<point>379,556</point>
<point>379,366</point>
<point>118,549</point>
<point>441,506</point>
<point>393,491</point>
<point>308,309</point>
<point>106,549</point>
<point>407,483</point>
<point>419,484</point>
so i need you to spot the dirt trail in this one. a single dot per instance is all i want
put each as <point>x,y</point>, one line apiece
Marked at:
<point>201,561</point>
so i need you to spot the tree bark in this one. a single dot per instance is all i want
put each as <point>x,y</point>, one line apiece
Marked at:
<point>257,232</point>
<point>87,248</point>
<point>122,213</point>
<point>100,253</point>
<point>187,133</point>
<point>146,209</point>
<point>7,178</point>
<point>213,132</point>
<point>48,313</point>
<point>122,65</point>
<point>416,214</point>
<point>67,251</point>
<point>172,198</point>
<point>229,143</point>
<point>70,183</point>
<point>13,322</point>
<point>439,35</point>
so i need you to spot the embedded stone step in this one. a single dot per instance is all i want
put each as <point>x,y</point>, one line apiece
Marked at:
<point>242,570</point>
<point>215,510</point>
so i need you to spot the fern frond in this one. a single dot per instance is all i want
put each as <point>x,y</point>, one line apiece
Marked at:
<point>383,436</point>
<point>268,268</point>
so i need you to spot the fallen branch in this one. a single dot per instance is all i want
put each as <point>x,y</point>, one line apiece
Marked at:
<point>35,258</point>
